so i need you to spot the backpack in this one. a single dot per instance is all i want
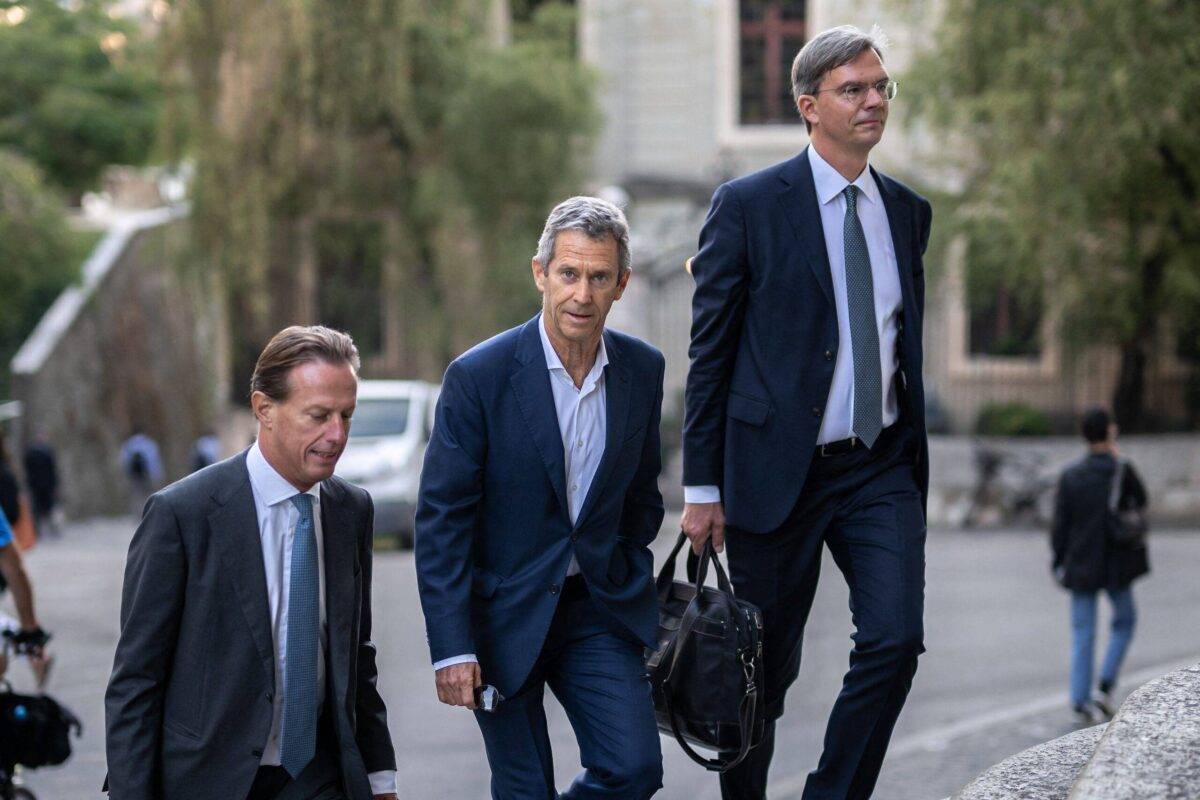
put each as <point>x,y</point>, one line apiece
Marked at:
<point>34,731</point>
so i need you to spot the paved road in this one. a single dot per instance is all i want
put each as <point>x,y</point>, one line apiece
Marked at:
<point>991,684</point>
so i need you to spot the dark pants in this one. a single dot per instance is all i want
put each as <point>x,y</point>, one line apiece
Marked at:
<point>320,780</point>
<point>598,675</point>
<point>866,508</point>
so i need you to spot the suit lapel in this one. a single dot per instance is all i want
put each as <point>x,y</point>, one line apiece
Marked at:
<point>234,528</point>
<point>340,539</point>
<point>616,403</point>
<point>799,200</point>
<point>899,216</point>
<point>531,384</point>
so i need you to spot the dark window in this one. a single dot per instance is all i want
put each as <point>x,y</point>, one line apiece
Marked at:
<point>349,295</point>
<point>1002,322</point>
<point>771,33</point>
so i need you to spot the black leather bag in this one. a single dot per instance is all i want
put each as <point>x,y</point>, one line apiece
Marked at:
<point>706,673</point>
<point>1127,527</point>
<point>34,731</point>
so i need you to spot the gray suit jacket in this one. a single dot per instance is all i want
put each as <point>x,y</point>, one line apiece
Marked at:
<point>189,703</point>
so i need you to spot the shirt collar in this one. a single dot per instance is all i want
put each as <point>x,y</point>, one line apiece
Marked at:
<point>271,487</point>
<point>554,363</point>
<point>830,183</point>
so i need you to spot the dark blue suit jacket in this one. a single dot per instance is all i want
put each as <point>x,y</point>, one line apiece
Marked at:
<point>765,338</point>
<point>494,537</point>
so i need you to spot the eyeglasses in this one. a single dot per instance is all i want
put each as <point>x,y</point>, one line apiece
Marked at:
<point>857,93</point>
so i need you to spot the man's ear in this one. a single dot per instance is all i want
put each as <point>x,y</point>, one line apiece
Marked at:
<point>264,408</point>
<point>539,275</point>
<point>623,282</point>
<point>806,104</point>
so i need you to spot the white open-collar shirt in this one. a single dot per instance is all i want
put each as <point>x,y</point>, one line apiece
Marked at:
<point>583,424</point>
<point>837,421</point>
<point>277,518</point>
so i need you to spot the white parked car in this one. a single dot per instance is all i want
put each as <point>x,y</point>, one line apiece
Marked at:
<point>388,436</point>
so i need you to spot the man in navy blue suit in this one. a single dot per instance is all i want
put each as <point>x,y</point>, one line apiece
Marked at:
<point>805,410</point>
<point>538,502</point>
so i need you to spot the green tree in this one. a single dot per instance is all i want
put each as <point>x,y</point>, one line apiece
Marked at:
<point>79,89</point>
<point>401,112</point>
<point>36,255</point>
<point>1077,120</point>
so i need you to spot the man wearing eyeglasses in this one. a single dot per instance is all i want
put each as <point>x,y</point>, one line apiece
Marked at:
<point>805,410</point>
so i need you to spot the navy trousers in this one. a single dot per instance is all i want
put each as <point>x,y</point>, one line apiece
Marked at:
<point>865,507</point>
<point>598,674</point>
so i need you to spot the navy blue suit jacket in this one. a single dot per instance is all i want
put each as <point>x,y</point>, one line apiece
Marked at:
<point>765,338</point>
<point>494,537</point>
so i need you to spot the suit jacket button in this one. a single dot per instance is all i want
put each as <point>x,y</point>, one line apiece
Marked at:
<point>829,355</point>
<point>256,753</point>
<point>574,537</point>
<point>816,411</point>
<point>554,588</point>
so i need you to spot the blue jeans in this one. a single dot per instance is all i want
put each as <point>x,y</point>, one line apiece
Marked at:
<point>1083,639</point>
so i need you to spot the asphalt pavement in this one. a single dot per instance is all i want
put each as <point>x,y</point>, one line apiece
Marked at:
<point>992,682</point>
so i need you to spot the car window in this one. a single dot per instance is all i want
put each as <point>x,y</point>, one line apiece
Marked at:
<point>380,417</point>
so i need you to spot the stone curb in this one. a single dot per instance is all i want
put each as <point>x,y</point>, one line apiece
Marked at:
<point>1150,749</point>
<point>1044,772</point>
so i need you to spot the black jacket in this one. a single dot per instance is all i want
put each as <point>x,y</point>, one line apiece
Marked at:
<point>189,703</point>
<point>1079,537</point>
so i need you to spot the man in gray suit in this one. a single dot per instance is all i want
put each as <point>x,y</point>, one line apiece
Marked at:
<point>245,667</point>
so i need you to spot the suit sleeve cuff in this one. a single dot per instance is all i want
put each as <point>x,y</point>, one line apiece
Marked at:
<point>383,782</point>
<point>701,494</point>
<point>469,658</point>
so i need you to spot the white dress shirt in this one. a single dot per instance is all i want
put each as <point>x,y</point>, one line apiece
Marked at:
<point>583,423</point>
<point>277,518</point>
<point>838,420</point>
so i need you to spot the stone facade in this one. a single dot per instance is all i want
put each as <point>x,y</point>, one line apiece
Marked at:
<point>669,84</point>
<point>141,341</point>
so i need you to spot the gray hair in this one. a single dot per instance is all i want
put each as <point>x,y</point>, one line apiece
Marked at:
<point>596,218</point>
<point>829,50</point>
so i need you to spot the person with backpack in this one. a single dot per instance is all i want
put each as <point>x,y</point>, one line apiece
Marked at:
<point>142,465</point>
<point>1096,548</point>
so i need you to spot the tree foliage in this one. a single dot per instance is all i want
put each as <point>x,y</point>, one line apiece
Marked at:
<point>1077,121</point>
<point>400,112</point>
<point>78,89</point>
<point>36,255</point>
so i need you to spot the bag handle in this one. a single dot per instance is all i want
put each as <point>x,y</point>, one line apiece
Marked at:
<point>667,574</point>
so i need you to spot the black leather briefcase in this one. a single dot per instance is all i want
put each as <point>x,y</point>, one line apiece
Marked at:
<point>706,673</point>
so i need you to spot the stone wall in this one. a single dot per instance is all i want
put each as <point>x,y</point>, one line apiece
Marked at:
<point>140,341</point>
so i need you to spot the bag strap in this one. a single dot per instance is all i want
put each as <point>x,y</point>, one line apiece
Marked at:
<point>1114,493</point>
<point>746,713</point>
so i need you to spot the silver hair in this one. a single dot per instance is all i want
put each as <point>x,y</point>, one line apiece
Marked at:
<point>596,218</point>
<point>829,50</point>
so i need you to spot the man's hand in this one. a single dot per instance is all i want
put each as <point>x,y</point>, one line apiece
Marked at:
<point>456,684</point>
<point>702,520</point>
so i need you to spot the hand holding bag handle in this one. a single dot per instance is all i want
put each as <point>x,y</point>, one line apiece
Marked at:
<point>749,701</point>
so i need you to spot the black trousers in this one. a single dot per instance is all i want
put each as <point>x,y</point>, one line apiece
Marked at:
<point>320,780</point>
<point>865,507</point>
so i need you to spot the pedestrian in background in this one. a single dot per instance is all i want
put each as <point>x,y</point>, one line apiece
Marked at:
<point>206,451</point>
<point>1087,559</point>
<point>142,465</point>
<point>41,478</point>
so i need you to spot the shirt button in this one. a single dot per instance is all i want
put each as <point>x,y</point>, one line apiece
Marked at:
<point>574,487</point>
<point>554,588</point>
<point>580,443</point>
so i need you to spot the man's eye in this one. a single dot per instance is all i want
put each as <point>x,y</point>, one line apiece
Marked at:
<point>852,92</point>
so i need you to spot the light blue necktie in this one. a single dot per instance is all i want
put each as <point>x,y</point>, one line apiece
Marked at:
<point>298,740</point>
<point>860,297</point>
